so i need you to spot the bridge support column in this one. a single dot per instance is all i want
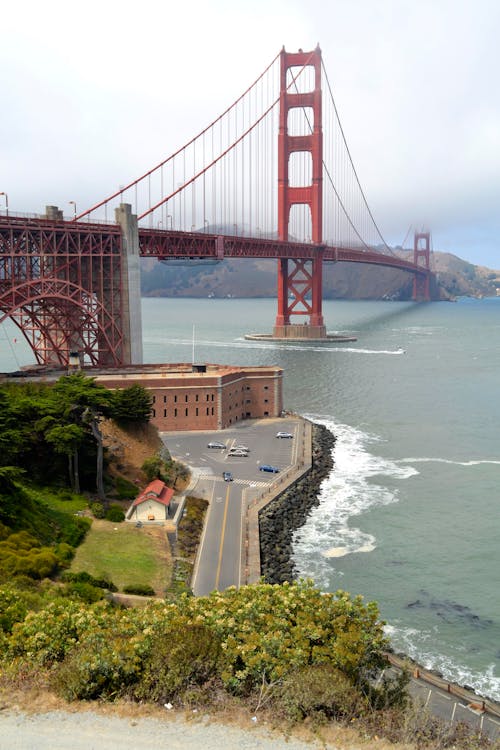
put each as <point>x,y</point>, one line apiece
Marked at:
<point>300,280</point>
<point>131,285</point>
<point>421,257</point>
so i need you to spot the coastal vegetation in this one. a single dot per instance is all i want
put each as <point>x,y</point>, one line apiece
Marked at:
<point>284,650</point>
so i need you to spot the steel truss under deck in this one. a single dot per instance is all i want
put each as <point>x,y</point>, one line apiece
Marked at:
<point>61,283</point>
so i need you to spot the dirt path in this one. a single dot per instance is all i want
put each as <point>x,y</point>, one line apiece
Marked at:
<point>87,730</point>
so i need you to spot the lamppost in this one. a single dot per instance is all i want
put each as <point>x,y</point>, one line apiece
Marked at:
<point>6,203</point>
<point>171,221</point>
<point>73,203</point>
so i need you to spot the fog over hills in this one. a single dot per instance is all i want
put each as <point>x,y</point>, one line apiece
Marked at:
<point>251,277</point>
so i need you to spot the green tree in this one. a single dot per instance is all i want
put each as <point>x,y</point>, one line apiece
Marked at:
<point>83,403</point>
<point>9,493</point>
<point>67,439</point>
<point>153,468</point>
<point>133,404</point>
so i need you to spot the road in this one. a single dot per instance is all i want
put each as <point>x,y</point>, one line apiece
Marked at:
<point>219,559</point>
<point>450,702</point>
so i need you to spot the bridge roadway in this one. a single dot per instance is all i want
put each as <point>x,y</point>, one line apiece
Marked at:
<point>170,244</point>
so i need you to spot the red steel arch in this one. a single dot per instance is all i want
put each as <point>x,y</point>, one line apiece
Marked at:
<point>62,286</point>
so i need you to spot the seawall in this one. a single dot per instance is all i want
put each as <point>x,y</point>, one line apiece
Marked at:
<point>287,512</point>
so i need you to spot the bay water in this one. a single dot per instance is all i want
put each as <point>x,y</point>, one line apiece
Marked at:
<point>409,517</point>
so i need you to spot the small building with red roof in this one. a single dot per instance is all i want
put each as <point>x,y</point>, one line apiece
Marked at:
<point>152,504</point>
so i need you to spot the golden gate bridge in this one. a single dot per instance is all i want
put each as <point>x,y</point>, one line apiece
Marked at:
<point>271,177</point>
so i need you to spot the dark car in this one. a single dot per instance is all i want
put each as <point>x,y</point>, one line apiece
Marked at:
<point>227,476</point>
<point>268,467</point>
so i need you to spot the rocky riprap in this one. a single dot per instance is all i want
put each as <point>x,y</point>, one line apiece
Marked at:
<point>288,512</point>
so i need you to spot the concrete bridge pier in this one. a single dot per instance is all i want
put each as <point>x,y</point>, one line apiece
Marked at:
<point>131,285</point>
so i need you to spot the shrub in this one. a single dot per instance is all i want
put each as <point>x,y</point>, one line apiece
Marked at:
<point>64,553</point>
<point>181,656</point>
<point>84,577</point>
<point>65,494</point>
<point>320,691</point>
<point>97,510</point>
<point>13,608</point>
<point>153,468</point>
<point>99,667</point>
<point>84,591</point>
<point>141,589</point>
<point>125,490</point>
<point>73,532</point>
<point>115,514</point>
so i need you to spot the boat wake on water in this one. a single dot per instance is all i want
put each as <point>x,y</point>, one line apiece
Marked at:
<point>241,343</point>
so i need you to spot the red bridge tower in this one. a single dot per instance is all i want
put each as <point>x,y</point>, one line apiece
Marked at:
<point>300,281</point>
<point>421,257</point>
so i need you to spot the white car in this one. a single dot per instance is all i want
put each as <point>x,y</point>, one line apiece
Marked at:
<point>238,453</point>
<point>284,435</point>
<point>241,448</point>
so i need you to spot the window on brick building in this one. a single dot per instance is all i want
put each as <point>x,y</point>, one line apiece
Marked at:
<point>153,412</point>
<point>164,412</point>
<point>185,398</point>
<point>266,400</point>
<point>213,411</point>
<point>154,399</point>
<point>207,411</point>
<point>266,387</point>
<point>175,399</point>
<point>196,411</point>
<point>164,399</point>
<point>197,396</point>
<point>266,413</point>
<point>175,412</point>
<point>187,411</point>
<point>208,397</point>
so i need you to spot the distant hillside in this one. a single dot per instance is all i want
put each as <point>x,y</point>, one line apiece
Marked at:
<point>257,278</point>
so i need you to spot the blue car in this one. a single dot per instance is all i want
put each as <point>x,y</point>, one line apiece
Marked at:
<point>227,476</point>
<point>268,467</point>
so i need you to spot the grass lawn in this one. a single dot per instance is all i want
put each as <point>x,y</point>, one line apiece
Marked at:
<point>72,503</point>
<point>126,555</point>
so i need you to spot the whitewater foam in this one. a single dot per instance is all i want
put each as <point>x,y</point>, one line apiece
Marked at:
<point>476,462</point>
<point>347,492</point>
<point>420,646</point>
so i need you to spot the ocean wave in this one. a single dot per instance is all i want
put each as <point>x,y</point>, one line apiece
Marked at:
<point>347,492</point>
<point>415,644</point>
<point>474,462</point>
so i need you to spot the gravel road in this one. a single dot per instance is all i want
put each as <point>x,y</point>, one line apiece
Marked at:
<point>61,730</point>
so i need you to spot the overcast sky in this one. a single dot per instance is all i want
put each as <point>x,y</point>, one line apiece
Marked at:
<point>94,93</point>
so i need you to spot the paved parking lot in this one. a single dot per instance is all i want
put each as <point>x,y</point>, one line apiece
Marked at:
<point>259,436</point>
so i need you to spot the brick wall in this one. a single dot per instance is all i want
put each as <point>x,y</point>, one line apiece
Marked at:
<point>211,399</point>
